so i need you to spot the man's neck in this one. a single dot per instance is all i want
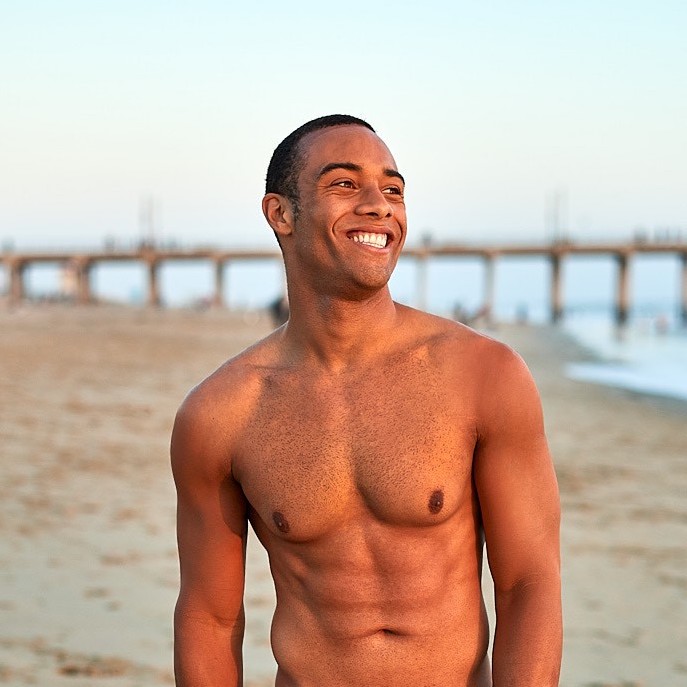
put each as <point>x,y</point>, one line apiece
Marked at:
<point>337,333</point>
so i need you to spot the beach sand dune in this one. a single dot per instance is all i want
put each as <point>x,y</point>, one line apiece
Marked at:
<point>88,570</point>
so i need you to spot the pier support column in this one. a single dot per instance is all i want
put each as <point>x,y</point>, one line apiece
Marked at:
<point>622,298</point>
<point>422,281</point>
<point>82,271</point>
<point>422,272</point>
<point>683,295</point>
<point>17,291</point>
<point>556,289</point>
<point>489,286</point>
<point>153,286</point>
<point>218,296</point>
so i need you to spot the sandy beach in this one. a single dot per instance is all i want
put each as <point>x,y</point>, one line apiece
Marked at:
<point>88,569</point>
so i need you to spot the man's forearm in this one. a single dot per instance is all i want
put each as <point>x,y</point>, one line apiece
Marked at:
<point>528,639</point>
<point>207,653</point>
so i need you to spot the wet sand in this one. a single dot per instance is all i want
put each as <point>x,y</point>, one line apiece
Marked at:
<point>88,570</point>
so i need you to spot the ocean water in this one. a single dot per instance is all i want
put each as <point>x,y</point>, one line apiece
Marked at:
<point>651,357</point>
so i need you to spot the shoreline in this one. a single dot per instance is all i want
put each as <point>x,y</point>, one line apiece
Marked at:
<point>579,351</point>
<point>87,503</point>
<point>576,351</point>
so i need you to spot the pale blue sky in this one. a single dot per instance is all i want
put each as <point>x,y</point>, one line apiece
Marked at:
<point>488,108</point>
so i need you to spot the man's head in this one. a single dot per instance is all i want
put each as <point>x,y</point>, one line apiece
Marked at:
<point>341,224</point>
<point>288,157</point>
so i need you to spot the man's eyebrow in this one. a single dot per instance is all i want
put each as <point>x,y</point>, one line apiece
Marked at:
<point>394,174</point>
<point>349,166</point>
<point>353,167</point>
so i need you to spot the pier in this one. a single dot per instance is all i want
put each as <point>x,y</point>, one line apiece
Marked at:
<point>78,266</point>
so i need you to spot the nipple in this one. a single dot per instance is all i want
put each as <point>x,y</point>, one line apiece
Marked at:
<point>436,501</point>
<point>281,522</point>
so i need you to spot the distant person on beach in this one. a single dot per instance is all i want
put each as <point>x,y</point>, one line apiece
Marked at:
<point>279,310</point>
<point>374,449</point>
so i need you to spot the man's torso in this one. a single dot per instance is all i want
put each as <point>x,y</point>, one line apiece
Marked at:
<point>359,485</point>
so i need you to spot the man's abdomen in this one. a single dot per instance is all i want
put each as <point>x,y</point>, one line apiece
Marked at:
<point>422,635</point>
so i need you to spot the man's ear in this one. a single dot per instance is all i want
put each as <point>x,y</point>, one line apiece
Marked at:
<point>278,211</point>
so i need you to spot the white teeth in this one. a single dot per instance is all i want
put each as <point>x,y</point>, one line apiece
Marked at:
<point>375,240</point>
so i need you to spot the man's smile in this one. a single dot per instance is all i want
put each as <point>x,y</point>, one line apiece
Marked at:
<point>374,239</point>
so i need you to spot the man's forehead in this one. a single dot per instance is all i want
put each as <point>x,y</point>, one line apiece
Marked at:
<point>350,144</point>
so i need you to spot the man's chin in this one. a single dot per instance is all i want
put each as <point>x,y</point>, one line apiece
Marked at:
<point>364,287</point>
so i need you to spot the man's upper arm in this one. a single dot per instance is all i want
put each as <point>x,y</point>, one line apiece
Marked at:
<point>211,516</point>
<point>514,476</point>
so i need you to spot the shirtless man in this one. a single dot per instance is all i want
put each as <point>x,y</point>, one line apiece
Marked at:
<point>373,448</point>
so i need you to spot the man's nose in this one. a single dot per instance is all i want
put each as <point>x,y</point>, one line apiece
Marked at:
<point>374,202</point>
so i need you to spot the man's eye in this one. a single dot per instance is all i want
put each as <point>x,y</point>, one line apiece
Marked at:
<point>344,183</point>
<point>394,190</point>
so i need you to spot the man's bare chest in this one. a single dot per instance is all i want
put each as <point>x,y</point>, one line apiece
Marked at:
<point>398,446</point>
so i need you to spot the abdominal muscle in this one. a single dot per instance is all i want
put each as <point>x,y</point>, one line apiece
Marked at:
<point>354,616</point>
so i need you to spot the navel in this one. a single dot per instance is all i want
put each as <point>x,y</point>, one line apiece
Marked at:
<point>436,501</point>
<point>281,522</point>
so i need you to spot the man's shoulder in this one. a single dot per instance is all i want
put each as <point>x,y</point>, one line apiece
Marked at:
<point>446,337</point>
<point>230,391</point>
<point>487,371</point>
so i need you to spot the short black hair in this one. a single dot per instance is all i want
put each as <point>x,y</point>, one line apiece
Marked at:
<point>287,160</point>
